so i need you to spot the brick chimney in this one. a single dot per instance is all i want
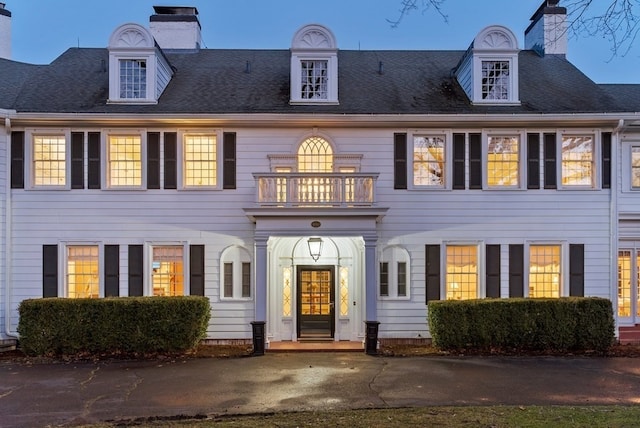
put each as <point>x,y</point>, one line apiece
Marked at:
<point>547,33</point>
<point>176,27</point>
<point>5,32</point>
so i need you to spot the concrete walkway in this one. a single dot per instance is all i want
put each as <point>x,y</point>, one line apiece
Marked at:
<point>53,394</point>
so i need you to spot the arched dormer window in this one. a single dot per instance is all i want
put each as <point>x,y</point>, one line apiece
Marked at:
<point>314,66</point>
<point>489,71</point>
<point>138,72</point>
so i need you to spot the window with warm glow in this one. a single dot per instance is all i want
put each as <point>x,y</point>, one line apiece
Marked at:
<point>125,161</point>
<point>133,78</point>
<point>316,155</point>
<point>167,276</point>
<point>82,274</point>
<point>628,283</point>
<point>49,160</point>
<point>503,161</point>
<point>635,167</point>
<point>428,160</point>
<point>344,291</point>
<point>286,292</point>
<point>495,80</point>
<point>200,160</point>
<point>544,271</point>
<point>462,272</point>
<point>577,160</point>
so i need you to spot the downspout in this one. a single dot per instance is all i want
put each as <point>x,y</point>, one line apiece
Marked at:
<point>616,144</point>
<point>7,236</point>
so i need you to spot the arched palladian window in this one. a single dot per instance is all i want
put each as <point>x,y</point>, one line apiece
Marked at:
<point>315,155</point>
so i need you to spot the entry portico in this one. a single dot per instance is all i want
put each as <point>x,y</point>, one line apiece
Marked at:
<point>331,297</point>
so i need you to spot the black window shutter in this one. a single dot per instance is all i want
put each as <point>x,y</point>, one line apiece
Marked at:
<point>17,160</point>
<point>77,160</point>
<point>49,271</point>
<point>196,270</point>
<point>576,270</point>
<point>516,270</point>
<point>93,148</point>
<point>111,270</point>
<point>458,161</point>
<point>606,160</point>
<point>170,160</point>
<point>475,161</point>
<point>433,272</point>
<point>399,161</point>
<point>136,270</point>
<point>550,169</point>
<point>153,160</point>
<point>229,160</point>
<point>533,161</point>
<point>493,270</point>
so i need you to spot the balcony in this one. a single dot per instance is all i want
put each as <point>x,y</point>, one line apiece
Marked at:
<point>292,190</point>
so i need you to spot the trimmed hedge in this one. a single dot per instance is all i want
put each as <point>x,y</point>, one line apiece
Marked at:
<point>120,325</point>
<point>559,325</point>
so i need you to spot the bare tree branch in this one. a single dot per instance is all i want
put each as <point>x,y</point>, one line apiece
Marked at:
<point>407,6</point>
<point>617,21</point>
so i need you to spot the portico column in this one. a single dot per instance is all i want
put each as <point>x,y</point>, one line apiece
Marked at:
<point>261,278</point>
<point>370,278</point>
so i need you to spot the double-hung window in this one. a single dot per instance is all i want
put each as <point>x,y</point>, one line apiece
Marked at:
<point>503,161</point>
<point>429,160</point>
<point>496,83</point>
<point>200,160</point>
<point>49,160</point>
<point>462,276</point>
<point>635,167</point>
<point>544,271</point>
<point>314,79</point>
<point>578,157</point>
<point>167,265</point>
<point>124,161</point>
<point>82,270</point>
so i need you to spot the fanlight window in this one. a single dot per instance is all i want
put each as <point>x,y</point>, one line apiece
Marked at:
<point>315,155</point>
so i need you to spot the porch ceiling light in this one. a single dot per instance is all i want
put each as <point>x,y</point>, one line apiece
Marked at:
<point>315,248</point>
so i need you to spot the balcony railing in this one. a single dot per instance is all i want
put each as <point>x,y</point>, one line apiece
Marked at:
<point>316,190</point>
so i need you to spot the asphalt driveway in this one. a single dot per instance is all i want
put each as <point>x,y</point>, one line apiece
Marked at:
<point>33,395</point>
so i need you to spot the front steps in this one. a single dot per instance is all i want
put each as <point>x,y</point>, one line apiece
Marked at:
<point>629,335</point>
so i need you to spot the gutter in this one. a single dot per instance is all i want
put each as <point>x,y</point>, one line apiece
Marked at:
<point>8,236</point>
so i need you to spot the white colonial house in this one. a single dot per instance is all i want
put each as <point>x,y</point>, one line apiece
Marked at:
<point>315,191</point>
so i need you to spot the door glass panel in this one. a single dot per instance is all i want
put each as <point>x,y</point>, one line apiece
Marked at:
<point>316,293</point>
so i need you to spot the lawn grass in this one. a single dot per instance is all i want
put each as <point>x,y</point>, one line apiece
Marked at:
<point>445,417</point>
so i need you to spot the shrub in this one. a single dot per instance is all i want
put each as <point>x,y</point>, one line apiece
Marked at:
<point>565,324</point>
<point>121,325</point>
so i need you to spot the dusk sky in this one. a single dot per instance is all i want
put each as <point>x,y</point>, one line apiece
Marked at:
<point>43,29</point>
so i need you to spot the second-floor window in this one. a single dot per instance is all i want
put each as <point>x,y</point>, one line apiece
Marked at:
<point>577,160</point>
<point>200,159</point>
<point>49,160</point>
<point>167,276</point>
<point>503,161</point>
<point>125,161</point>
<point>133,79</point>
<point>428,160</point>
<point>635,167</point>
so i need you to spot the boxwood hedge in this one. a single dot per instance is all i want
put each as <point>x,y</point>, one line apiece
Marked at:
<point>564,324</point>
<point>121,325</point>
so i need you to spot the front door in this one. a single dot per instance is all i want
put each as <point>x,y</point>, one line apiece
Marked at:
<point>629,286</point>
<point>316,297</point>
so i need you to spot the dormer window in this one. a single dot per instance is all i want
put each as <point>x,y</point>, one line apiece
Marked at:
<point>314,66</point>
<point>138,71</point>
<point>488,73</point>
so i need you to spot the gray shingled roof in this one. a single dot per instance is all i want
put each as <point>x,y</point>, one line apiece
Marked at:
<point>215,81</point>
<point>626,95</point>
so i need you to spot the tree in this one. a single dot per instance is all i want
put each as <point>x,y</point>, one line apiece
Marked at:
<point>618,21</point>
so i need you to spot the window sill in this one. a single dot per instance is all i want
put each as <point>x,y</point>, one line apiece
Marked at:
<point>313,102</point>
<point>133,101</point>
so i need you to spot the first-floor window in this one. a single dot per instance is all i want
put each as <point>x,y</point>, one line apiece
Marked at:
<point>393,273</point>
<point>82,271</point>
<point>236,274</point>
<point>462,272</point>
<point>544,271</point>
<point>167,276</point>
<point>49,160</point>
<point>629,283</point>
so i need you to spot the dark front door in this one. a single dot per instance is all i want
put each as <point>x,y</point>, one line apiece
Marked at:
<point>316,297</point>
